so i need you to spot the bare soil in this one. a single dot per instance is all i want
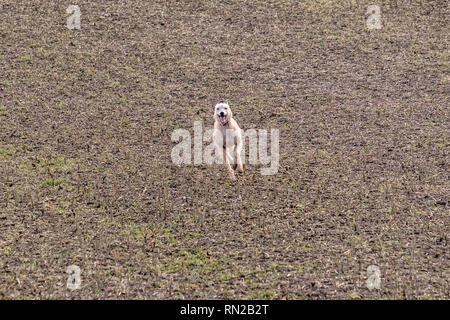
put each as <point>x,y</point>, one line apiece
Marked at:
<point>86,177</point>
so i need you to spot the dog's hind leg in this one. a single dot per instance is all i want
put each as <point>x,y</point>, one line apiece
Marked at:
<point>234,158</point>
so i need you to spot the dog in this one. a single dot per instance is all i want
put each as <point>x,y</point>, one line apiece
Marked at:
<point>227,138</point>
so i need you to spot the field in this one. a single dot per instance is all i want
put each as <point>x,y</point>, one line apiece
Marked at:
<point>86,176</point>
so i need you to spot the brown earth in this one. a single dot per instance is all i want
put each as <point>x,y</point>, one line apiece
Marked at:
<point>86,177</point>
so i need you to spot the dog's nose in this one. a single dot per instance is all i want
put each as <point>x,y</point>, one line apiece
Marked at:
<point>221,114</point>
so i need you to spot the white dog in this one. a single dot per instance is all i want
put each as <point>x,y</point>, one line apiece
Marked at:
<point>227,138</point>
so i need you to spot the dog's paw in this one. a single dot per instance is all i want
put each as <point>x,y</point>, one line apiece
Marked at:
<point>232,178</point>
<point>240,168</point>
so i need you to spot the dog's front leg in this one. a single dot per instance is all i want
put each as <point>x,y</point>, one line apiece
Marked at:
<point>228,159</point>
<point>219,146</point>
<point>240,166</point>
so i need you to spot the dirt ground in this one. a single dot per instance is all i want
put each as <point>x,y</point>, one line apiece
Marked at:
<point>86,176</point>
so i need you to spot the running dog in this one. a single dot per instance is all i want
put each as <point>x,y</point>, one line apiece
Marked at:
<point>227,138</point>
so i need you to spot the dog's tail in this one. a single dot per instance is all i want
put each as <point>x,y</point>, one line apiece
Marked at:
<point>223,101</point>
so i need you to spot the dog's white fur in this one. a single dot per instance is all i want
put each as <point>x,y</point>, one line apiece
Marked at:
<point>228,138</point>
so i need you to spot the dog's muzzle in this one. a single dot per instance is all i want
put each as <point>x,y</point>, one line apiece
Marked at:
<point>222,118</point>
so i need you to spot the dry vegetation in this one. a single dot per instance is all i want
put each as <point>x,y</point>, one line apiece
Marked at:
<point>86,176</point>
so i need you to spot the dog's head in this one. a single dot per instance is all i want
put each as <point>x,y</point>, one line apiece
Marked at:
<point>222,112</point>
